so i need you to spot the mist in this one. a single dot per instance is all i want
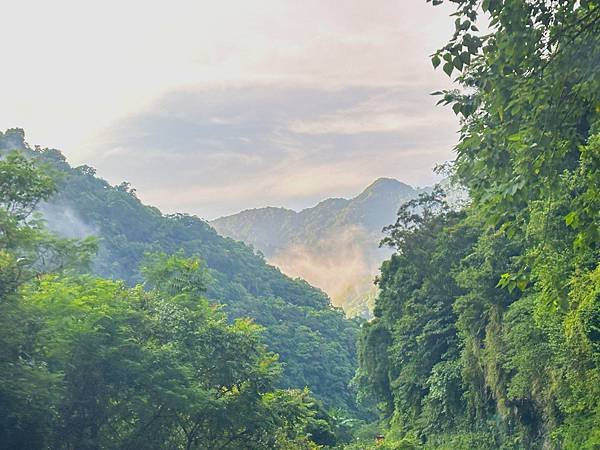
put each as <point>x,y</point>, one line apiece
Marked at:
<point>63,220</point>
<point>342,263</point>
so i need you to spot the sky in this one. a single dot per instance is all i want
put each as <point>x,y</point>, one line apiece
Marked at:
<point>211,107</point>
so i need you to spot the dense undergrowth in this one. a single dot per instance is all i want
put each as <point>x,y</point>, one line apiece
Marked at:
<point>487,329</point>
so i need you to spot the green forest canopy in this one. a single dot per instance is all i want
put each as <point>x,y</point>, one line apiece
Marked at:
<point>90,363</point>
<point>315,342</point>
<point>487,328</point>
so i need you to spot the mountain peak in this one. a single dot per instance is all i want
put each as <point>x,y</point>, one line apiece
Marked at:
<point>386,182</point>
<point>389,186</point>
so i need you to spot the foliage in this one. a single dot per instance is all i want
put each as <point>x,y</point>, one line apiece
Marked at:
<point>90,363</point>
<point>315,342</point>
<point>132,368</point>
<point>26,248</point>
<point>486,326</point>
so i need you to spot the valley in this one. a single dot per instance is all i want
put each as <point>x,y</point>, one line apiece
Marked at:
<point>333,245</point>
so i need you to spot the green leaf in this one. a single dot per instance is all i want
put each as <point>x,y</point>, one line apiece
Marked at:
<point>458,63</point>
<point>448,68</point>
<point>522,284</point>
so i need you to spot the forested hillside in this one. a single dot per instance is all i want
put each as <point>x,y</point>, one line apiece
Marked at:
<point>315,343</point>
<point>90,363</point>
<point>487,328</point>
<point>333,245</point>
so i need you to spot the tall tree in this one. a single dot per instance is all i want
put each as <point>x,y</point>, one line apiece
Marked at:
<point>521,292</point>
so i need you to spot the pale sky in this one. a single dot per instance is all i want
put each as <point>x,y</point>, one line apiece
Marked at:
<point>210,107</point>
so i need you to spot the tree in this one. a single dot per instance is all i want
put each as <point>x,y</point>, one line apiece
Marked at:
<point>90,363</point>
<point>315,342</point>
<point>513,278</point>
<point>27,388</point>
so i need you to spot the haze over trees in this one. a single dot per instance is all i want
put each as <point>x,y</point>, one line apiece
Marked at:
<point>153,361</point>
<point>311,243</point>
<point>235,275</point>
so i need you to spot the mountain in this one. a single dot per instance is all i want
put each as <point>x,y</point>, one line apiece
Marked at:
<point>333,245</point>
<point>314,340</point>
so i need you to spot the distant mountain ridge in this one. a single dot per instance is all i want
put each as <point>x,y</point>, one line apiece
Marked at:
<point>270,228</point>
<point>333,245</point>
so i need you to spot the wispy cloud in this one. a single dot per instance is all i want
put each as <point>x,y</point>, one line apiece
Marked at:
<point>275,144</point>
<point>393,109</point>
